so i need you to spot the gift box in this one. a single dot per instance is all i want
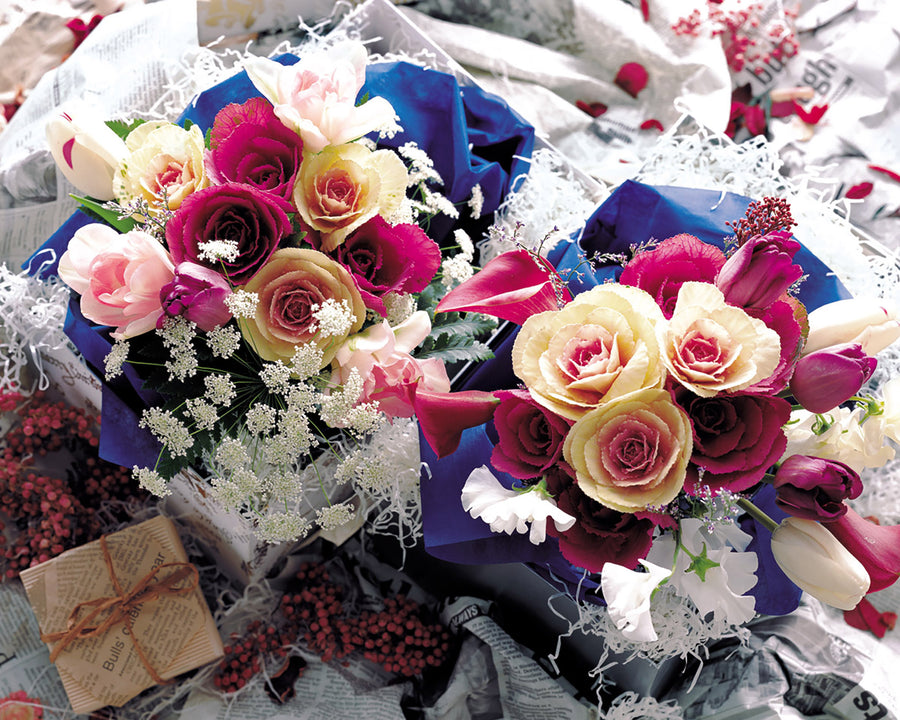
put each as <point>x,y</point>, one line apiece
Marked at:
<point>122,614</point>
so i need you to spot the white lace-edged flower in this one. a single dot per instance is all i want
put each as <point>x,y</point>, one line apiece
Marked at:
<point>509,511</point>
<point>627,594</point>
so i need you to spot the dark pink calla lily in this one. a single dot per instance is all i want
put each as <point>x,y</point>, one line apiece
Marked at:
<point>876,546</point>
<point>511,287</point>
<point>865,616</point>
<point>443,416</point>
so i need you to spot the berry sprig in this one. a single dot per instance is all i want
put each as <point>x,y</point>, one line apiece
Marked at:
<point>763,217</point>
<point>245,656</point>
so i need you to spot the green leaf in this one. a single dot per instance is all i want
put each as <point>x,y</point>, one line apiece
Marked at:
<point>453,348</point>
<point>122,127</point>
<point>110,217</point>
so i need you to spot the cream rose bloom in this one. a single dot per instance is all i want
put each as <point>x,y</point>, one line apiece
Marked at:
<point>600,346</point>
<point>710,347</point>
<point>632,452</point>
<point>342,187</point>
<point>162,158</point>
<point>290,286</point>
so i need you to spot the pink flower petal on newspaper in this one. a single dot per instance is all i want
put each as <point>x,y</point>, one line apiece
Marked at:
<point>652,124</point>
<point>443,416</point>
<point>811,116</point>
<point>857,192</point>
<point>512,287</point>
<point>866,617</point>
<point>632,78</point>
<point>645,10</point>
<point>594,109</point>
<point>885,171</point>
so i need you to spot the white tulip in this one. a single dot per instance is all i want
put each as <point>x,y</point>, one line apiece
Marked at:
<point>871,323</point>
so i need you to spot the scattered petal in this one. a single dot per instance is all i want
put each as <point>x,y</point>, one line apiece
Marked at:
<point>866,617</point>
<point>594,109</point>
<point>652,124</point>
<point>632,78</point>
<point>890,173</point>
<point>857,192</point>
<point>811,116</point>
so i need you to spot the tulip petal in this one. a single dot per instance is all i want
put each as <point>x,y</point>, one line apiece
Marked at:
<point>512,287</point>
<point>876,546</point>
<point>443,416</point>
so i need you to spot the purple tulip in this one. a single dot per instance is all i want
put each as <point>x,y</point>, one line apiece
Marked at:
<point>197,294</point>
<point>824,379</point>
<point>815,488</point>
<point>760,270</point>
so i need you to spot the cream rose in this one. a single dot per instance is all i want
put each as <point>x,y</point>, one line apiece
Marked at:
<point>632,452</point>
<point>600,346</point>
<point>290,286</point>
<point>709,346</point>
<point>342,187</point>
<point>162,159</point>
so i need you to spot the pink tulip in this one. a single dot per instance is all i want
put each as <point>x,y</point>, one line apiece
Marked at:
<point>825,378</point>
<point>760,270</point>
<point>512,287</point>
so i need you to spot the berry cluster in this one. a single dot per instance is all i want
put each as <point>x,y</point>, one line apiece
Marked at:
<point>51,514</point>
<point>763,217</point>
<point>245,656</point>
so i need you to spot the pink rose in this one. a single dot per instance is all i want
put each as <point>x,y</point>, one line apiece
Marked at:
<point>530,437</point>
<point>118,277</point>
<point>391,375</point>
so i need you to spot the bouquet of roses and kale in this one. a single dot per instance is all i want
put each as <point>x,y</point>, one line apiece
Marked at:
<point>660,406</point>
<point>257,288</point>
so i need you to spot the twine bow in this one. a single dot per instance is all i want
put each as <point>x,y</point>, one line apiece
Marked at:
<point>118,608</point>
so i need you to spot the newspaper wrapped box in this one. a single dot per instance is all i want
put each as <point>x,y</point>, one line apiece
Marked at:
<point>122,614</point>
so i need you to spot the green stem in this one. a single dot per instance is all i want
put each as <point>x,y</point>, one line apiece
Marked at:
<point>757,514</point>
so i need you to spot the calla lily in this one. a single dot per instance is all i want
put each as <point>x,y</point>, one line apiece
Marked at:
<point>444,415</point>
<point>871,323</point>
<point>87,152</point>
<point>876,546</point>
<point>512,287</point>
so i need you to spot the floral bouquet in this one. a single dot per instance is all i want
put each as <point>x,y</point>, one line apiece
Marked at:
<point>255,281</point>
<point>674,426</point>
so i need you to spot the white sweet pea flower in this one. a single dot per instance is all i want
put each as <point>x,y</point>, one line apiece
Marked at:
<point>890,418</point>
<point>711,569</point>
<point>509,511</point>
<point>627,594</point>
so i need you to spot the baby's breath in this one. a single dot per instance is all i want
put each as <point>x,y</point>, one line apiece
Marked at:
<point>242,303</point>
<point>334,318</point>
<point>466,247</point>
<point>421,166</point>
<point>116,357</point>
<point>220,388</point>
<point>151,481</point>
<point>390,128</point>
<point>336,407</point>
<point>399,307</point>
<point>286,486</point>
<point>433,203</point>
<point>364,418</point>
<point>283,527</point>
<point>168,429</point>
<point>332,517</point>
<point>223,342</point>
<point>213,250</point>
<point>476,202</point>
<point>456,269</point>
<point>177,335</point>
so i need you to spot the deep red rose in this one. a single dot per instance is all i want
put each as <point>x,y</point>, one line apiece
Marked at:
<point>675,261</point>
<point>387,258</point>
<point>815,488</point>
<point>600,534</point>
<point>531,437</point>
<point>736,437</point>
<point>257,220</point>
<point>249,144</point>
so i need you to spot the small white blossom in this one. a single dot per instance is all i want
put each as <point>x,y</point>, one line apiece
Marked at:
<point>231,455</point>
<point>476,202</point>
<point>421,166</point>
<point>229,493</point>
<point>223,342</point>
<point>398,307</point>
<point>337,405</point>
<point>364,418</point>
<point>283,527</point>
<point>260,418</point>
<point>333,516</point>
<point>466,246</point>
<point>284,486</point>
<point>456,269</point>
<point>276,377</point>
<point>151,481</point>
<point>116,357</point>
<point>509,511</point>
<point>177,335</point>
<point>242,303</point>
<point>390,128</point>
<point>204,413</point>
<point>437,204</point>
<point>168,429</point>
<point>306,361</point>
<point>840,434</point>
<point>213,250</point>
<point>627,594</point>
<point>334,318</point>
<point>293,438</point>
<point>303,398</point>
<point>220,389</point>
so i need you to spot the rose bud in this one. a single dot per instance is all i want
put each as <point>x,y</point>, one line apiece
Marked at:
<point>87,152</point>
<point>197,294</point>
<point>825,378</point>
<point>817,563</point>
<point>871,323</point>
<point>815,488</point>
<point>760,270</point>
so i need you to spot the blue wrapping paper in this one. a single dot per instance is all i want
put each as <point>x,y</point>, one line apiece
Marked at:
<point>473,137</point>
<point>633,214</point>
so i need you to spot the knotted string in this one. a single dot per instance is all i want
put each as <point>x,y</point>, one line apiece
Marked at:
<point>119,606</point>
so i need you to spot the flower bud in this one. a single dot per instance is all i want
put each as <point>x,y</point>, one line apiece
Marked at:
<point>198,294</point>
<point>87,152</point>
<point>815,488</point>
<point>760,270</point>
<point>871,323</point>
<point>825,378</point>
<point>816,562</point>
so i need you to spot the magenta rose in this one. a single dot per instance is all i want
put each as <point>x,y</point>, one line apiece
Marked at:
<point>781,316</point>
<point>387,258</point>
<point>663,270</point>
<point>531,437</point>
<point>600,534</point>
<point>815,488</point>
<point>737,437</point>
<point>249,144</point>
<point>256,220</point>
<point>197,294</point>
